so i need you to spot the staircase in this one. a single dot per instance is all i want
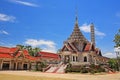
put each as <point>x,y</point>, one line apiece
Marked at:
<point>110,70</point>
<point>60,68</point>
<point>52,69</point>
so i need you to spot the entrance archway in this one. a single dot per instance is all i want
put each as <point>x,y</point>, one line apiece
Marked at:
<point>66,59</point>
<point>85,59</point>
<point>25,66</point>
<point>5,66</point>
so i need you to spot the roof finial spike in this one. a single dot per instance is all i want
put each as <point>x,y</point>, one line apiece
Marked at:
<point>76,16</point>
<point>76,20</point>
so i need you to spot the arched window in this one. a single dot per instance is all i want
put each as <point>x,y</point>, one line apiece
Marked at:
<point>76,58</point>
<point>85,59</point>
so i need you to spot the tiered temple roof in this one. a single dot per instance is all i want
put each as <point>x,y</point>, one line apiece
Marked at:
<point>76,34</point>
<point>78,43</point>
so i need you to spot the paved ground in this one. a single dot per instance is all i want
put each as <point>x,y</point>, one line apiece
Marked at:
<point>115,76</point>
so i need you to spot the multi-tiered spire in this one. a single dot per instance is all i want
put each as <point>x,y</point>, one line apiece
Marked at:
<point>92,33</point>
<point>76,34</point>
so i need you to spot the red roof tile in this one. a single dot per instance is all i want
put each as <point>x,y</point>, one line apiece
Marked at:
<point>31,58</point>
<point>26,52</point>
<point>7,53</point>
<point>5,56</point>
<point>8,50</point>
<point>48,55</point>
<point>12,50</point>
<point>18,54</point>
<point>26,55</point>
<point>87,47</point>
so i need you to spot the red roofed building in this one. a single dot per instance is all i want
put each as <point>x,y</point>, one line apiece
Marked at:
<point>79,51</point>
<point>48,57</point>
<point>16,59</point>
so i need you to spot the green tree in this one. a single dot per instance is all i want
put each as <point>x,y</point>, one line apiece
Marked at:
<point>113,64</point>
<point>20,46</point>
<point>117,39</point>
<point>36,50</point>
<point>32,51</point>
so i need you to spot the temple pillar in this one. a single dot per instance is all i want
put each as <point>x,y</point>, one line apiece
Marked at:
<point>95,61</point>
<point>28,65</point>
<point>62,58</point>
<point>75,58</point>
<point>71,58</point>
<point>22,65</point>
<point>10,63</point>
<point>16,66</point>
<point>1,64</point>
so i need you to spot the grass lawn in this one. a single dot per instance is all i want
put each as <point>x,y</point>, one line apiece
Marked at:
<point>17,77</point>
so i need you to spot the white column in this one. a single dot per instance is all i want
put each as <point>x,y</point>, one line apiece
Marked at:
<point>75,58</point>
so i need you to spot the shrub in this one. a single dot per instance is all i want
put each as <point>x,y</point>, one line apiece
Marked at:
<point>40,66</point>
<point>91,69</point>
<point>84,70</point>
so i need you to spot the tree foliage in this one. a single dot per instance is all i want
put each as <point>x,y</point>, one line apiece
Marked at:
<point>32,51</point>
<point>113,64</point>
<point>117,39</point>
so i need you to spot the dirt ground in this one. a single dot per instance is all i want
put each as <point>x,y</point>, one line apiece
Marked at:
<point>72,76</point>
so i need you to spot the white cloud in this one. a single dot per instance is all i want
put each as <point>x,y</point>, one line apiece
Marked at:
<point>86,28</point>
<point>110,55</point>
<point>4,17</point>
<point>99,33</point>
<point>25,3</point>
<point>46,45</point>
<point>4,32</point>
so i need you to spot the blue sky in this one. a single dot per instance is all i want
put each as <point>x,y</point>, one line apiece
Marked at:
<point>48,23</point>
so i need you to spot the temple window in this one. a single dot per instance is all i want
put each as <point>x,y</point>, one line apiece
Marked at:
<point>73,58</point>
<point>76,58</point>
<point>85,59</point>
